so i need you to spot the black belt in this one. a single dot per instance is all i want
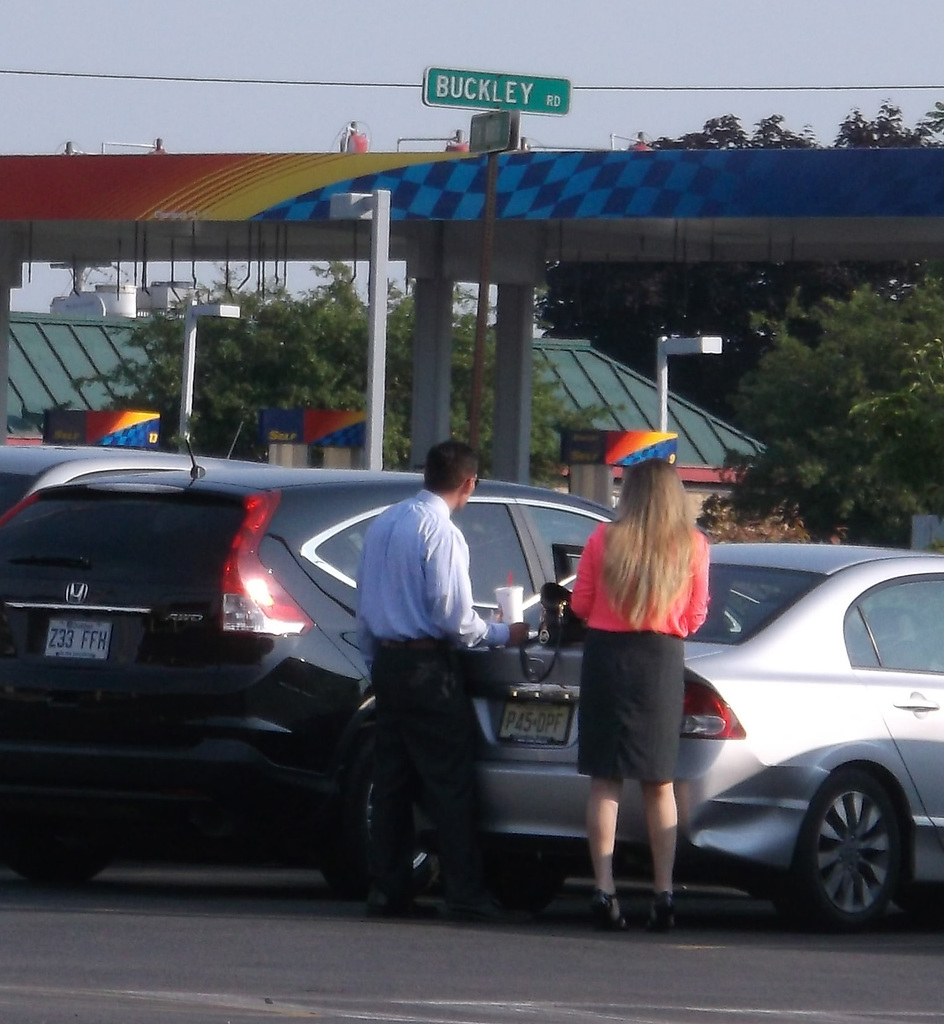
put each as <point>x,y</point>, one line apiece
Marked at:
<point>425,643</point>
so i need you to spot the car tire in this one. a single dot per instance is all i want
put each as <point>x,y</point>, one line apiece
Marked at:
<point>345,864</point>
<point>522,881</point>
<point>848,855</point>
<point>56,857</point>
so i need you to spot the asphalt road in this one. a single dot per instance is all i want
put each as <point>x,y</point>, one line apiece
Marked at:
<point>149,945</point>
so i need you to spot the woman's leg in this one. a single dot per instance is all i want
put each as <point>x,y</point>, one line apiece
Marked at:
<point>662,824</point>
<point>602,812</point>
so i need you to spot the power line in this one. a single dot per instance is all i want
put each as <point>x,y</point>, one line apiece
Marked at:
<point>199,80</point>
<point>324,84</point>
<point>758,88</point>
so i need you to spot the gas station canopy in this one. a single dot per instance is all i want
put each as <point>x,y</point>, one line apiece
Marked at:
<point>683,206</point>
<point>677,205</point>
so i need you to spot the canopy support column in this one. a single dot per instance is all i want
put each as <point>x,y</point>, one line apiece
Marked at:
<point>432,366</point>
<point>10,277</point>
<point>514,362</point>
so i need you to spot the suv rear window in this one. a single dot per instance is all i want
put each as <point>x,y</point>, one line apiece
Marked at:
<point>12,487</point>
<point>120,533</point>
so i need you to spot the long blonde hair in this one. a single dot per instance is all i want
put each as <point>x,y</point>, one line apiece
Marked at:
<point>648,547</point>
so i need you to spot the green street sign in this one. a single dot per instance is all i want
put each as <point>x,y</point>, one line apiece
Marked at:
<point>486,90</point>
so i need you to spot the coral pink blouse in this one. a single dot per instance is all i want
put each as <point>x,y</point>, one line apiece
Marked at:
<point>591,602</point>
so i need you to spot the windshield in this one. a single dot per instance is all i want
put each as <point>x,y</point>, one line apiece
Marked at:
<point>744,598</point>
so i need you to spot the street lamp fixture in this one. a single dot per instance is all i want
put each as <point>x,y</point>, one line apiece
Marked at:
<point>193,312</point>
<point>709,345</point>
<point>374,206</point>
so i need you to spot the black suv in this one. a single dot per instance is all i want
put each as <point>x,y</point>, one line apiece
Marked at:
<point>25,467</point>
<point>178,666</point>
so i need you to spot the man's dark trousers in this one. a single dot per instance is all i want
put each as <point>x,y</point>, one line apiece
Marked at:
<point>425,747</point>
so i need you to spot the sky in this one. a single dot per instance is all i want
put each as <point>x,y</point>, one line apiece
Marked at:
<point>662,68</point>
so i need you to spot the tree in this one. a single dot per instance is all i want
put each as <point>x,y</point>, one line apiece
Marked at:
<point>934,119</point>
<point>311,351</point>
<point>908,423</point>
<point>843,416</point>
<point>727,132</point>
<point>723,522</point>
<point>886,131</point>
<point>284,351</point>
<point>624,308</point>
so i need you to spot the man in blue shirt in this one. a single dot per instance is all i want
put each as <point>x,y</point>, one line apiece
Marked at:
<point>414,610</point>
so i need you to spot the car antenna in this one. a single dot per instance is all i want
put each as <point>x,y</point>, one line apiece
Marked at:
<point>196,472</point>
<point>239,430</point>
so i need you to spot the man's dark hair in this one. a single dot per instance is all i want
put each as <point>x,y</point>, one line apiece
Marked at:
<point>448,465</point>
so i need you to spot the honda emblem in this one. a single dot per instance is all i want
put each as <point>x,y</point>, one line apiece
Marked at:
<point>76,593</point>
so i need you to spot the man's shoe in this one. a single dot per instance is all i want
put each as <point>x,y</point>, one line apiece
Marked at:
<point>378,905</point>
<point>605,911</point>
<point>485,910</point>
<point>661,913</point>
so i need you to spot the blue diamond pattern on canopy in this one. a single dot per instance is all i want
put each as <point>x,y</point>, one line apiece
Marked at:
<point>663,184</point>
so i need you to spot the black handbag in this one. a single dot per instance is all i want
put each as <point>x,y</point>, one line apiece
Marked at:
<point>559,626</point>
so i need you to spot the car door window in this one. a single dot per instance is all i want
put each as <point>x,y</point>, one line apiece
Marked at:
<point>495,554</point>
<point>562,535</point>
<point>859,645</point>
<point>903,622</point>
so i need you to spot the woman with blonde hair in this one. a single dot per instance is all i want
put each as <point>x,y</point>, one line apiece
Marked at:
<point>642,585</point>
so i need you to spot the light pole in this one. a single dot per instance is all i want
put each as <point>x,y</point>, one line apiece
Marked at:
<point>193,312</point>
<point>374,206</point>
<point>673,346</point>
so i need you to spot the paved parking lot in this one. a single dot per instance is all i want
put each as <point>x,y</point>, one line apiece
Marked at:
<point>198,945</point>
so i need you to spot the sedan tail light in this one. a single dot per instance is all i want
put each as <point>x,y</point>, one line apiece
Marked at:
<point>707,717</point>
<point>253,599</point>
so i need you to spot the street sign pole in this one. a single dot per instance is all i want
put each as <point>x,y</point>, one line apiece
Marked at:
<point>481,313</point>
<point>503,97</point>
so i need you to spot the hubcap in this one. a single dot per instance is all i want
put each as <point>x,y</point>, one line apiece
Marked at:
<point>853,852</point>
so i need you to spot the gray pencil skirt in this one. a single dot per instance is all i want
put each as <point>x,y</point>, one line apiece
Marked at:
<point>631,696</point>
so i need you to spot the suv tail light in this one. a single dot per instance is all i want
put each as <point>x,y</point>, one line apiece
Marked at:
<point>253,599</point>
<point>707,717</point>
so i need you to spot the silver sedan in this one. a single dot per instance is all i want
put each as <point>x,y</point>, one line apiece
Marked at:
<point>810,768</point>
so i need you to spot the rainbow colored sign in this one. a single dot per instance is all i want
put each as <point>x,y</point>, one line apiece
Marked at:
<point>616,447</point>
<point>124,429</point>
<point>624,447</point>
<point>328,428</point>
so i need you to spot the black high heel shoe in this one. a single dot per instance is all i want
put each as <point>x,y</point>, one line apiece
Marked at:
<point>661,913</point>
<point>605,911</point>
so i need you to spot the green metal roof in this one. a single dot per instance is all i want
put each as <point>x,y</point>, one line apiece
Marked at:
<point>50,355</point>
<point>586,378</point>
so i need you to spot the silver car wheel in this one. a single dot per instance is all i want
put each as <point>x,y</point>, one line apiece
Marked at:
<point>853,852</point>
<point>848,853</point>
